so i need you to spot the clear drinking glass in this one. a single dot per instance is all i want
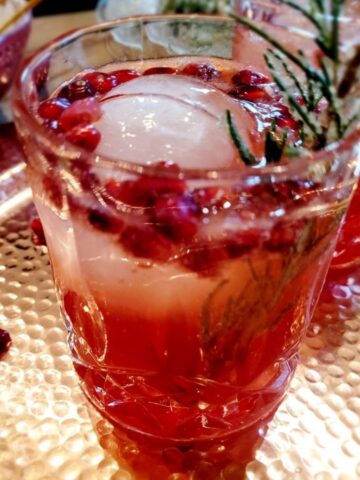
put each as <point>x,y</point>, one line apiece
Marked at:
<point>280,20</point>
<point>186,291</point>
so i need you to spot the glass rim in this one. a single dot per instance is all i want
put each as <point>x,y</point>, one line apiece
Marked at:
<point>296,166</point>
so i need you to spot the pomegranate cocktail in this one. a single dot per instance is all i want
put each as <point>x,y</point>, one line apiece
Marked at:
<point>187,268</point>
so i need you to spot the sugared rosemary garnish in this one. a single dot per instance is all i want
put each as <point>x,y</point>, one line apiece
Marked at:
<point>328,92</point>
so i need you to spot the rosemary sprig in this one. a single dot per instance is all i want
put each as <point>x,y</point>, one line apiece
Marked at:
<point>247,157</point>
<point>293,103</point>
<point>274,146</point>
<point>331,83</point>
<point>193,6</point>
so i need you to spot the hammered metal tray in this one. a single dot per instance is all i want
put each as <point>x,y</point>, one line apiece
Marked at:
<point>48,431</point>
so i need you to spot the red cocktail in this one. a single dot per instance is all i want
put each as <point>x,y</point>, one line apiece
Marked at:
<point>186,278</point>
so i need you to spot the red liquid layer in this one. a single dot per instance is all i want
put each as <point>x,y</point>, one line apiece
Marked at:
<point>348,248</point>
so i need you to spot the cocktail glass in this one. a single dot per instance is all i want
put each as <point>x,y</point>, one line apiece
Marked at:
<point>281,21</point>
<point>186,288</point>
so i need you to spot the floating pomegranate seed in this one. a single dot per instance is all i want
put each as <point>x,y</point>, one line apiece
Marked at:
<point>168,166</point>
<point>200,70</point>
<point>124,192</point>
<point>38,232</point>
<point>77,90</point>
<point>283,236</point>
<point>84,136</point>
<point>154,187</point>
<point>284,119</point>
<point>52,109</point>
<point>249,77</point>
<point>145,242</point>
<point>5,341</point>
<point>81,112</point>
<point>53,191</point>
<point>123,76</point>
<point>144,191</point>
<point>174,217</point>
<point>245,242</point>
<point>300,100</point>
<point>211,199</point>
<point>104,221</point>
<point>287,122</point>
<point>101,82</point>
<point>300,191</point>
<point>172,456</point>
<point>191,459</point>
<point>160,71</point>
<point>250,93</point>
<point>53,125</point>
<point>82,171</point>
<point>205,259</point>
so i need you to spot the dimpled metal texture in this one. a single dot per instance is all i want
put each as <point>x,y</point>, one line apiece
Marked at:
<point>48,431</point>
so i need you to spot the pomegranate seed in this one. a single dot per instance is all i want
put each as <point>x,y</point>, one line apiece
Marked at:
<point>245,242</point>
<point>249,77</point>
<point>287,122</point>
<point>160,71</point>
<point>144,191</point>
<point>200,70</point>
<point>77,90</point>
<point>101,82</point>
<point>5,341</point>
<point>52,125</point>
<point>153,187</point>
<point>250,93</point>
<point>52,109</point>
<point>191,459</point>
<point>168,166</point>
<point>299,191</point>
<point>82,170</point>
<point>284,119</point>
<point>38,232</point>
<point>211,199</point>
<point>124,192</point>
<point>123,76</point>
<point>53,191</point>
<point>300,100</point>
<point>145,242</point>
<point>174,217</point>
<point>102,220</point>
<point>84,136</point>
<point>81,112</point>
<point>205,260</point>
<point>282,237</point>
<point>172,456</point>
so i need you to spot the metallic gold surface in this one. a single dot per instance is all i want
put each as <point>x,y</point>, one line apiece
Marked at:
<point>47,432</point>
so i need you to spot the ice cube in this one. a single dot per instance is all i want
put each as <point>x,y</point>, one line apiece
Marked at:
<point>171,118</point>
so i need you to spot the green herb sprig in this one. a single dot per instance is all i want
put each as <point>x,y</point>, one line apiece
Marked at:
<point>194,6</point>
<point>335,82</point>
